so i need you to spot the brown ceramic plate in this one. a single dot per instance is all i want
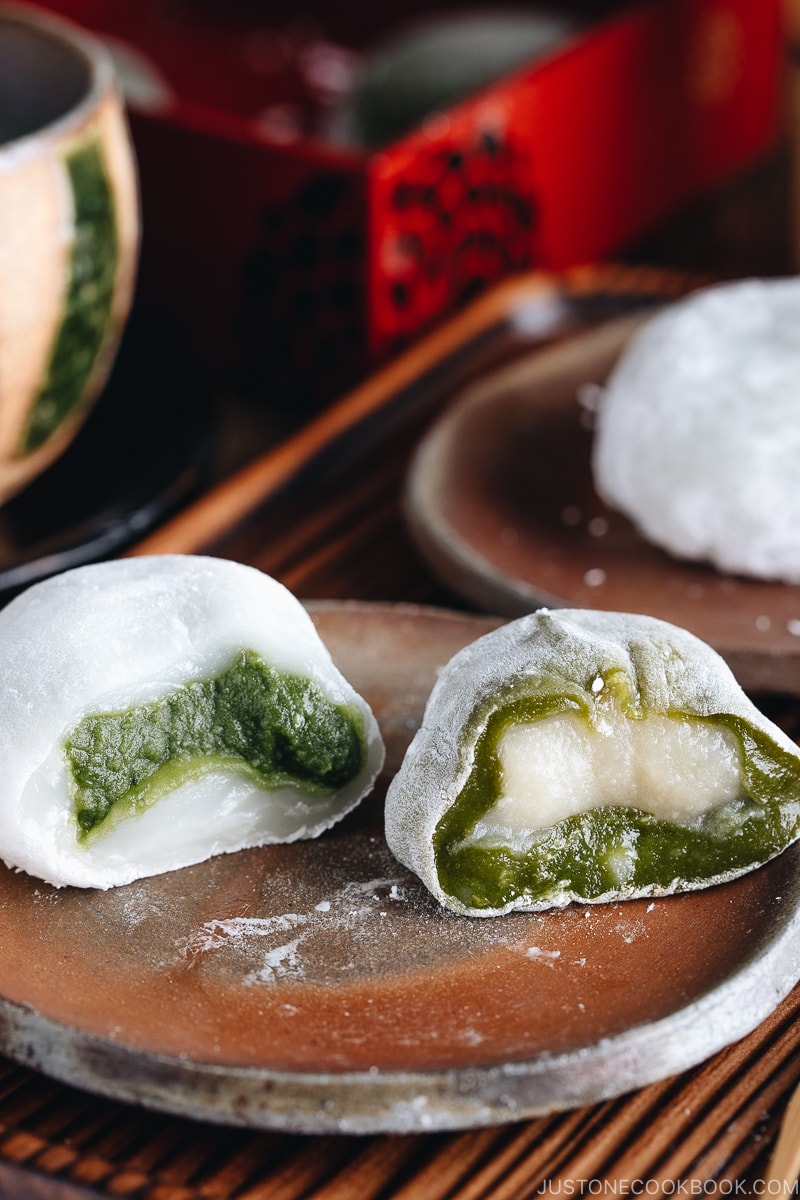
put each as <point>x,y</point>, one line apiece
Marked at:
<point>501,503</point>
<point>318,987</point>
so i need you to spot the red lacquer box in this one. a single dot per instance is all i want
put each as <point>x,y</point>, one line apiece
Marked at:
<point>297,263</point>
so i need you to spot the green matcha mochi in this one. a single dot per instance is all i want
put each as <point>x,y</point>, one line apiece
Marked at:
<point>589,756</point>
<point>278,729</point>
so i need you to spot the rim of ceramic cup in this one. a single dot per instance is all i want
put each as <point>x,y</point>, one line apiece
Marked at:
<point>81,54</point>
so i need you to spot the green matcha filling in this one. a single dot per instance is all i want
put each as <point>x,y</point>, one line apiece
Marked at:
<point>278,729</point>
<point>613,849</point>
<point>87,306</point>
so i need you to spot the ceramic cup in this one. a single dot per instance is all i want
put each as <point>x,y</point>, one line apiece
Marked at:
<point>69,234</point>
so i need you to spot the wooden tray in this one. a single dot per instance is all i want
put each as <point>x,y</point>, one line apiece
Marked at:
<point>322,512</point>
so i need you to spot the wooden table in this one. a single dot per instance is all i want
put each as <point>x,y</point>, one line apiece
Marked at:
<point>322,512</point>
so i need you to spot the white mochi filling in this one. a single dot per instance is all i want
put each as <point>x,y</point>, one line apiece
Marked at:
<point>678,770</point>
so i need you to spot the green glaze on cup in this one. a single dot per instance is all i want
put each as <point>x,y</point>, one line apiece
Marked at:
<point>274,728</point>
<point>584,854</point>
<point>69,235</point>
<point>87,309</point>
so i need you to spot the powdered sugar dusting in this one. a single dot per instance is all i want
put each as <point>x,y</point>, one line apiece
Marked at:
<point>345,919</point>
<point>342,929</point>
<point>539,955</point>
<point>356,931</point>
<point>138,905</point>
<point>216,933</point>
<point>281,962</point>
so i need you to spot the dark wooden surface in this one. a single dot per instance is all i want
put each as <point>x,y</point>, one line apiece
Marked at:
<point>335,529</point>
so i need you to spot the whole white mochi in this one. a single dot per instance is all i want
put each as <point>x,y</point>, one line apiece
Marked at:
<point>697,438</point>
<point>107,637</point>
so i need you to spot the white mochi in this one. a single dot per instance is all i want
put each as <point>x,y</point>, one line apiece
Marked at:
<point>109,637</point>
<point>650,752</point>
<point>551,769</point>
<point>697,438</point>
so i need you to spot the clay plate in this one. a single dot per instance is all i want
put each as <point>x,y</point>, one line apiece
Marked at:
<point>501,503</point>
<point>317,987</point>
